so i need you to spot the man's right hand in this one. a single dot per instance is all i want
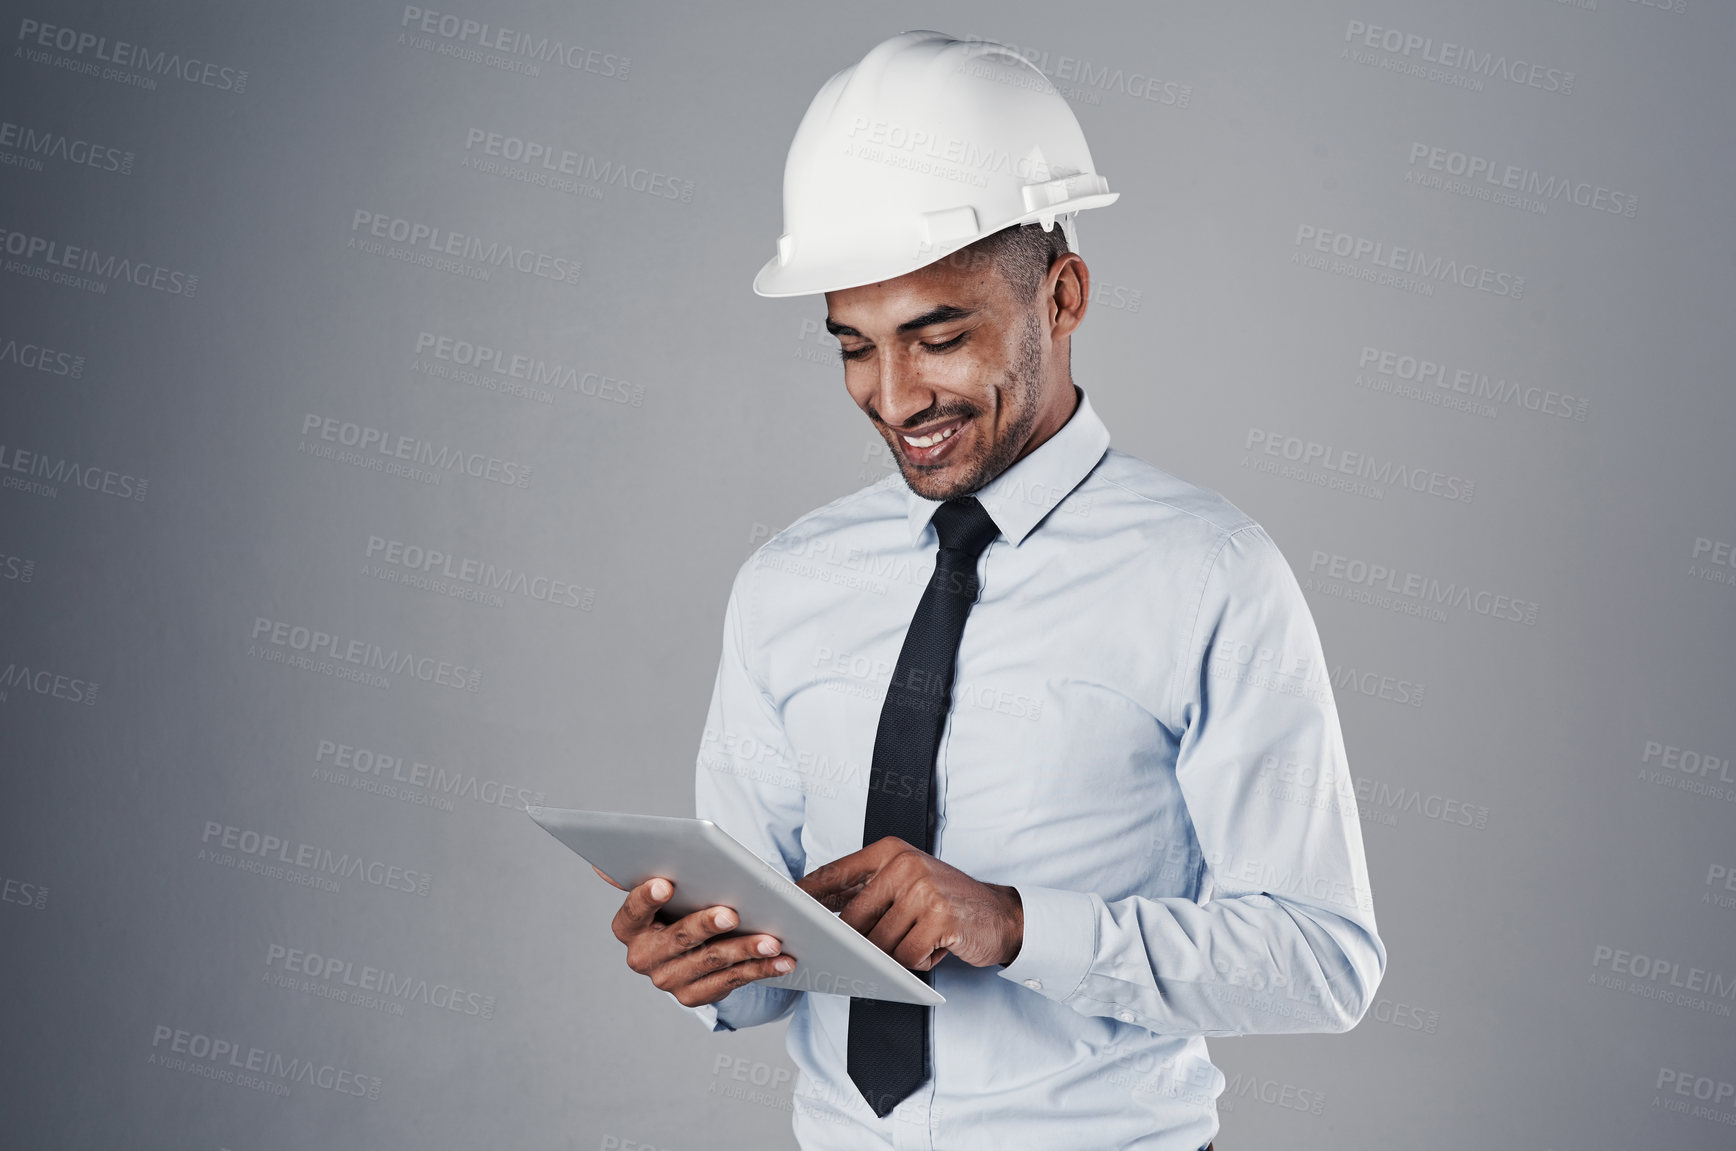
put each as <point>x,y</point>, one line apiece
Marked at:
<point>683,958</point>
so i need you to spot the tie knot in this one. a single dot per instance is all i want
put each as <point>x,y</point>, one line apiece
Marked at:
<point>964,525</point>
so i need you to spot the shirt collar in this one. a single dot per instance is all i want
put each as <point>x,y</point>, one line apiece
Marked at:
<point>1021,496</point>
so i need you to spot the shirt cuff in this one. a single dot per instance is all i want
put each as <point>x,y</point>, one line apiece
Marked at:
<point>748,1006</point>
<point>706,1013</point>
<point>1060,941</point>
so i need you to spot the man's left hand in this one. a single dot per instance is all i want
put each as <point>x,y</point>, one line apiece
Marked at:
<point>917,909</point>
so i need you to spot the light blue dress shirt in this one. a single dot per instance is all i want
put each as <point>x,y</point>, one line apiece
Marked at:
<point>1143,741</point>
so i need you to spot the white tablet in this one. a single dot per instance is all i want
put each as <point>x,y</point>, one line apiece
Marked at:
<point>711,868</point>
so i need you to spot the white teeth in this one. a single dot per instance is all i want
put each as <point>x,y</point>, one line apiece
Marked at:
<point>930,441</point>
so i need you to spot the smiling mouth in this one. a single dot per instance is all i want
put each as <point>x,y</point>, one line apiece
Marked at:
<point>933,438</point>
<point>930,446</point>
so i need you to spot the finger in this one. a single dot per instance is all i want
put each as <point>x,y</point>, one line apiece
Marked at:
<point>658,945</point>
<point>684,968</point>
<point>853,870</point>
<point>692,930</point>
<point>900,932</point>
<point>640,907</point>
<point>920,949</point>
<point>919,928</point>
<point>836,900</point>
<point>824,883</point>
<point>893,882</point>
<point>710,988</point>
<point>864,909</point>
<point>606,879</point>
<point>720,953</point>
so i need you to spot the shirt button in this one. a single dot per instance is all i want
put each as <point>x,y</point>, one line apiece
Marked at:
<point>1124,1016</point>
<point>1034,984</point>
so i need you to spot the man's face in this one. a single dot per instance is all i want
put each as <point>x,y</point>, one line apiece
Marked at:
<point>954,369</point>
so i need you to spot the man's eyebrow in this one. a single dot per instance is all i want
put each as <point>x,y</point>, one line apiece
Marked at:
<point>944,314</point>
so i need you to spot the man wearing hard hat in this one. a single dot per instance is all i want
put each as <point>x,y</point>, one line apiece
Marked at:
<point>1047,724</point>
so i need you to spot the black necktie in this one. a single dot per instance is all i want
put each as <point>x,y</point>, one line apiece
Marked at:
<point>888,1042</point>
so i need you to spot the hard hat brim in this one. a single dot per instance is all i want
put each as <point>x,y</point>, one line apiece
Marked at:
<point>807,277</point>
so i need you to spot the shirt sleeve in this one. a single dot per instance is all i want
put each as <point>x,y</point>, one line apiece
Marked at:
<point>746,782</point>
<point>1282,935</point>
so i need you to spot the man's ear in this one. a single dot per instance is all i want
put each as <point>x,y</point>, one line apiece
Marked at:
<point>1067,291</point>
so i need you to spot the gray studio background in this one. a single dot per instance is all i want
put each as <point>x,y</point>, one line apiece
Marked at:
<point>205,305</point>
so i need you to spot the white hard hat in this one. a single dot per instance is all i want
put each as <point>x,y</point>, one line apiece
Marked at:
<point>925,146</point>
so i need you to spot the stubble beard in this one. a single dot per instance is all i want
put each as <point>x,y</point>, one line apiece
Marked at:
<point>1023,384</point>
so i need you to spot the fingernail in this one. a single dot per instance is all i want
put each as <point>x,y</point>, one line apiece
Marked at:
<point>659,889</point>
<point>725,920</point>
<point>784,964</point>
<point>768,947</point>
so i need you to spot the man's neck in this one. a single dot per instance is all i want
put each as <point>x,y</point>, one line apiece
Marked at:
<point>1047,427</point>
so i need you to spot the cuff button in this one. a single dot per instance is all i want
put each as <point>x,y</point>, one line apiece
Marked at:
<point>1124,1016</point>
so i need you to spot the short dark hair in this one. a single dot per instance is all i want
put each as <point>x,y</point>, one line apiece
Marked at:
<point>1022,254</point>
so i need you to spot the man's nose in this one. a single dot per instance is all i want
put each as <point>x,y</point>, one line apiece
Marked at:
<point>902,393</point>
